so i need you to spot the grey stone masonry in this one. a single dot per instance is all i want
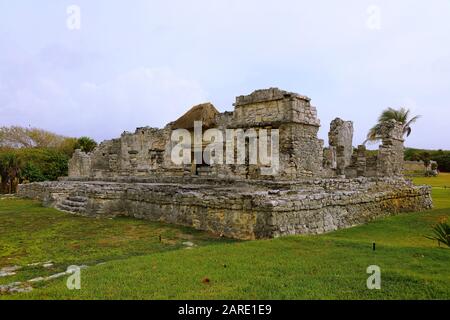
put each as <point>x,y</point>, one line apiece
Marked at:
<point>315,190</point>
<point>249,210</point>
<point>391,152</point>
<point>341,144</point>
<point>274,106</point>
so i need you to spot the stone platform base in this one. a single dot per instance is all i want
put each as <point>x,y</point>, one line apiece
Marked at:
<point>242,210</point>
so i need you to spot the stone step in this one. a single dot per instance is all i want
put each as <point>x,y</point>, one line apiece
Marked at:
<point>77,199</point>
<point>75,204</point>
<point>71,209</point>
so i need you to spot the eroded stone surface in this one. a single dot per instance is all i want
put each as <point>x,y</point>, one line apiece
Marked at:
<point>134,176</point>
<point>9,271</point>
<point>341,144</point>
<point>246,211</point>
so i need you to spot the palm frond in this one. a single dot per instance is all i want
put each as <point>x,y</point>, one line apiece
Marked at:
<point>374,134</point>
<point>407,131</point>
<point>401,115</point>
<point>413,120</point>
<point>441,233</point>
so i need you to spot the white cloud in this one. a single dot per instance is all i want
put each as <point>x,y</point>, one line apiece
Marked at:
<point>139,97</point>
<point>108,77</point>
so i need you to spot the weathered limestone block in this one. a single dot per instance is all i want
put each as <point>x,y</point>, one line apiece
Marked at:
<point>274,106</point>
<point>243,211</point>
<point>341,144</point>
<point>361,162</point>
<point>391,152</point>
<point>134,175</point>
<point>144,151</point>
<point>80,164</point>
<point>301,152</point>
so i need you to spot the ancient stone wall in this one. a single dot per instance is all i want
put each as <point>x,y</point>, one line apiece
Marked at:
<point>391,152</point>
<point>143,153</point>
<point>272,107</point>
<point>147,151</point>
<point>314,190</point>
<point>301,152</point>
<point>412,166</point>
<point>243,211</point>
<point>80,164</point>
<point>341,145</point>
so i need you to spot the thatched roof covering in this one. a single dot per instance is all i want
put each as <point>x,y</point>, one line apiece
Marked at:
<point>205,112</point>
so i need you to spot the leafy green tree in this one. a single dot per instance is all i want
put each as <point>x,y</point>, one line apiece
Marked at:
<point>20,137</point>
<point>43,164</point>
<point>32,155</point>
<point>32,173</point>
<point>443,161</point>
<point>442,157</point>
<point>68,146</point>
<point>401,115</point>
<point>86,144</point>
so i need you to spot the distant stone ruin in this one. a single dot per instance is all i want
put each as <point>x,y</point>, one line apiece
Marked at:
<point>420,168</point>
<point>314,189</point>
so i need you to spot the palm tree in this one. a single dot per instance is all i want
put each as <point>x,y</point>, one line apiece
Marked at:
<point>9,171</point>
<point>402,115</point>
<point>86,144</point>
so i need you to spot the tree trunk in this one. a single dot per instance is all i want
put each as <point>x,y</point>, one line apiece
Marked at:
<point>4,185</point>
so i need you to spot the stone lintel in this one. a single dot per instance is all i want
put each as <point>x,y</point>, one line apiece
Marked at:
<point>271,124</point>
<point>266,95</point>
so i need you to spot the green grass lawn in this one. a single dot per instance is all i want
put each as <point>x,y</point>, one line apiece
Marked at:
<point>441,188</point>
<point>441,181</point>
<point>138,266</point>
<point>30,233</point>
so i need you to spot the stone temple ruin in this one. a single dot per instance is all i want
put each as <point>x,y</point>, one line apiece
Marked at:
<point>316,189</point>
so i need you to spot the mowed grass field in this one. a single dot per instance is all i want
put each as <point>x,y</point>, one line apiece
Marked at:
<point>127,260</point>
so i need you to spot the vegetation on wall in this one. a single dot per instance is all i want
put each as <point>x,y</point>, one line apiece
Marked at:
<point>85,144</point>
<point>401,115</point>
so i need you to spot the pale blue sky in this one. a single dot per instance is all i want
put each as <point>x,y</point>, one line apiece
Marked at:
<point>138,63</point>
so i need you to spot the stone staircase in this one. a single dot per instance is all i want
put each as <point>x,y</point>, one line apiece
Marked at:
<point>74,204</point>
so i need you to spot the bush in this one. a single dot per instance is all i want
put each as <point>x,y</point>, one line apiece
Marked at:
<point>35,155</point>
<point>43,164</point>
<point>441,234</point>
<point>30,164</point>
<point>32,173</point>
<point>443,161</point>
<point>68,146</point>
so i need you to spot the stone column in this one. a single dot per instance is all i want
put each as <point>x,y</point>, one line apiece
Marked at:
<point>341,144</point>
<point>361,161</point>
<point>80,164</point>
<point>391,152</point>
